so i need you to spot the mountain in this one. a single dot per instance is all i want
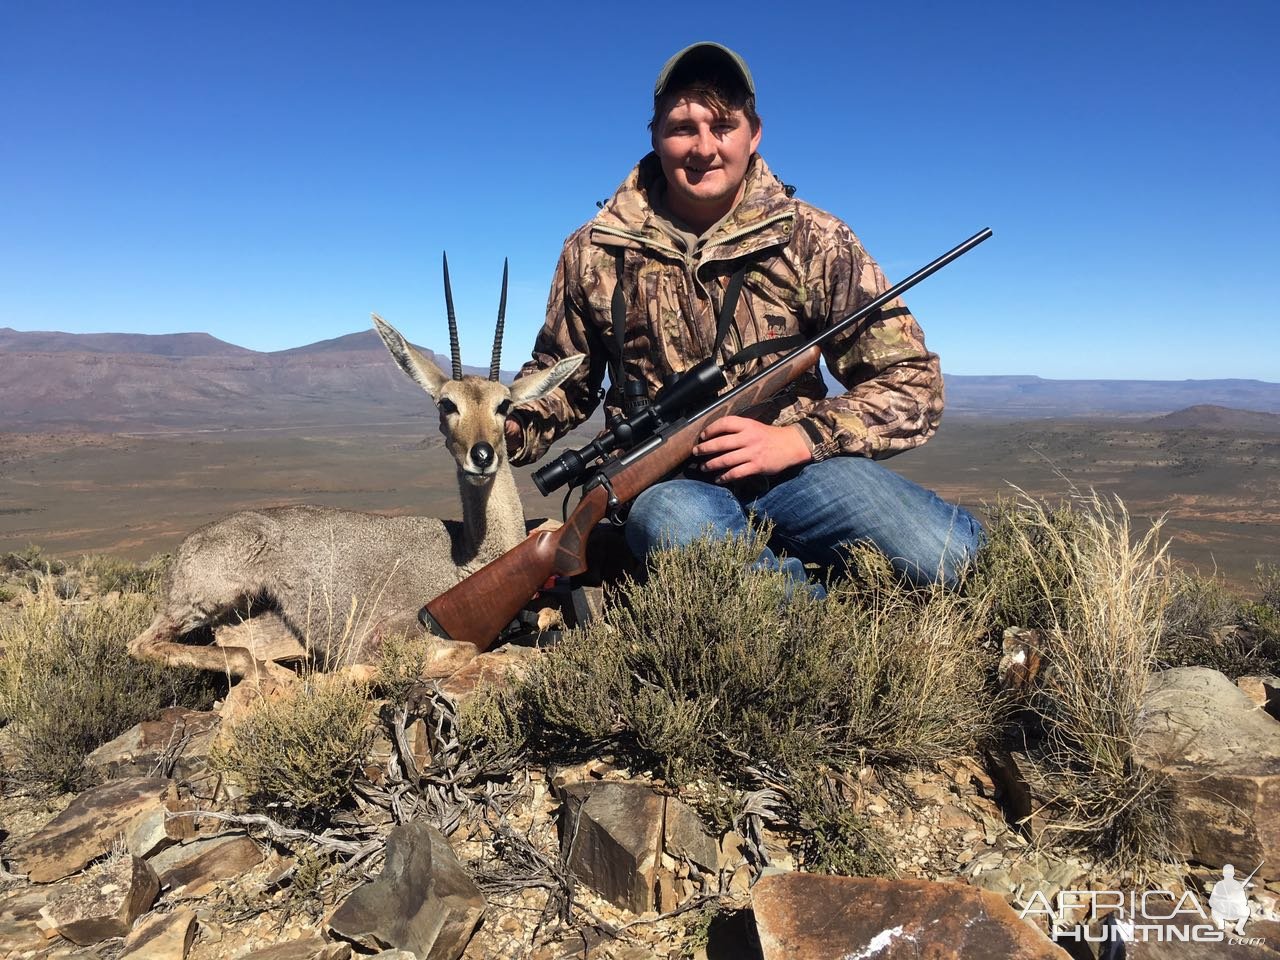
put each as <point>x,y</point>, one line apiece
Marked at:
<point>1210,417</point>
<point>155,345</point>
<point>1026,397</point>
<point>139,382</point>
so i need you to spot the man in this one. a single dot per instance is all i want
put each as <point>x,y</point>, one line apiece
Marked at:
<point>702,251</point>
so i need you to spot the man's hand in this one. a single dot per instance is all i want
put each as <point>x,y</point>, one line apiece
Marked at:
<point>739,447</point>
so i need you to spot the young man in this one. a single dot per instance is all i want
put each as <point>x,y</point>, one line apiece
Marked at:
<point>703,252</point>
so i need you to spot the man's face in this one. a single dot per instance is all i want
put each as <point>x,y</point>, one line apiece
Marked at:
<point>704,156</point>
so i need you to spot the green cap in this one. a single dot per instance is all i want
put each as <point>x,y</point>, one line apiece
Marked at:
<point>699,53</point>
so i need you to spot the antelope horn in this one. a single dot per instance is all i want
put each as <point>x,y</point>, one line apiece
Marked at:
<point>454,355</point>
<point>502,316</point>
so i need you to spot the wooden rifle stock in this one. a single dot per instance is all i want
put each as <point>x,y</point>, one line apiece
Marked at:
<point>477,609</point>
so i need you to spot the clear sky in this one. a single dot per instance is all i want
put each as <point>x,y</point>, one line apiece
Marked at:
<point>270,173</point>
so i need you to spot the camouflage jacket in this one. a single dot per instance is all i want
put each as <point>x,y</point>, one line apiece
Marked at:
<point>806,272</point>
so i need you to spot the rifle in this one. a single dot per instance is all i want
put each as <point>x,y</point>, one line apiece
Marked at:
<point>651,444</point>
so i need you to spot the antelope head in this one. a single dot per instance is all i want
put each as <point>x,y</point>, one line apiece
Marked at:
<point>473,409</point>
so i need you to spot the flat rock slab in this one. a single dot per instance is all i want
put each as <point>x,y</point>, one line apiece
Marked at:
<point>611,836</point>
<point>178,741</point>
<point>802,916</point>
<point>162,936</point>
<point>1262,690</point>
<point>20,914</point>
<point>1222,757</point>
<point>685,836</point>
<point>313,948</point>
<point>106,902</point>
<point>423,901</point>
<point>88,827</point>
<point>192,870</point>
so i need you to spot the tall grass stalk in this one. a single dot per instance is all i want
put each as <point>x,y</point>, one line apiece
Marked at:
<point>1102,639</point>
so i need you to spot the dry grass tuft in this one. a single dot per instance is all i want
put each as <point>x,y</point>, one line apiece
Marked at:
<point>298,753</point>
<point>1103,623</point>
<point>68,684</point>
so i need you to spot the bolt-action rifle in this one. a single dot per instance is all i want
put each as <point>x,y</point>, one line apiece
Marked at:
<point>614,468</point>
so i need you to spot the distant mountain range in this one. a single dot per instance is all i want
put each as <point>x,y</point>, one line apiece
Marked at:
<point>141,382</point>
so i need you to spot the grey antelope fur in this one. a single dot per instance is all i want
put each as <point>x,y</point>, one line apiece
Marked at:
<point>339,579</point>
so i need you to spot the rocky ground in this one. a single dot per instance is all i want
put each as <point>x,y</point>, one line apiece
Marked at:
<point>160,860</point>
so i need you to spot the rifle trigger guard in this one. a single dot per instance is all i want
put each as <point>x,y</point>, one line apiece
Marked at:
<point>615,509</point>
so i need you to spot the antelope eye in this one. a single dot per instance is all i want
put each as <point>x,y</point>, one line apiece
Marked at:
<point>504,408</point>
<point>447,406</point>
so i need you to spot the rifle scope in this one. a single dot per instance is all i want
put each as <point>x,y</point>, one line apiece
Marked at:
<point>696,385</point>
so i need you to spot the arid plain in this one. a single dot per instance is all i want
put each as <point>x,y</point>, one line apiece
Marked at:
<point>135,494</point>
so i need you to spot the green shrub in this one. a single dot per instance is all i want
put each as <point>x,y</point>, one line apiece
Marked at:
<point>710,668</point>
<point>1200,626</point>
<point>1021,595</point>
<point>112,573</point>
<point>7,593</point>
<point>31,558</point>
<point>402,660</point>
<point>68,685</point>
<point>298,753</point>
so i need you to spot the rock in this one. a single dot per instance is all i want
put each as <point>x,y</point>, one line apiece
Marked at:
<point>155,829</point>
<point>88,827</point>
<point>423,901</point>
<point>802,916</point>
<point>1264,691</point>
<point>611,836</point>
<point>312,948</point>
<point>1162,933</point>
<point>20,916</point>
<point>176,744</point>
<point>245,696</point>
<point>161,936</point>
<point>193,869</point>
<point>1222,757</point>
<point>499,667</point>
<point>106,902</point>
<point>684,835</point>
<point>951,817</point>
<point>1019,806</point>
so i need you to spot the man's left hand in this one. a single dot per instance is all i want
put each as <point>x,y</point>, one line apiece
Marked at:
<point>738,447</point>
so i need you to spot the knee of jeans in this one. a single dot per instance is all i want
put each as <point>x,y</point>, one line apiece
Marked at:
<point>658,519</point>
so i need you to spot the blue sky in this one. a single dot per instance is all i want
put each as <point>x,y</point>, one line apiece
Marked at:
<point>270,173</point>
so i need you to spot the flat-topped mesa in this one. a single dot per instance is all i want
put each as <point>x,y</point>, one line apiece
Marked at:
<point>341,580</point>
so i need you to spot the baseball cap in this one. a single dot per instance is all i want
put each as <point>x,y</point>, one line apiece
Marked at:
<point>704,52</point>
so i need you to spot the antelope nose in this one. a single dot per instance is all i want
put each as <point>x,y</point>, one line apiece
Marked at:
<point>482,456</point>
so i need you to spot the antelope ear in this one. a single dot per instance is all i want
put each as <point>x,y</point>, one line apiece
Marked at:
<point>420,369</point>
<point>538,385</point>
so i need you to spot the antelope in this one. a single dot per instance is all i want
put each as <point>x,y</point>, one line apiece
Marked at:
<point>342,580</point>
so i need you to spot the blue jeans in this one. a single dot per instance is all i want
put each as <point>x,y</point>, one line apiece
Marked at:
<point>817,511</point>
